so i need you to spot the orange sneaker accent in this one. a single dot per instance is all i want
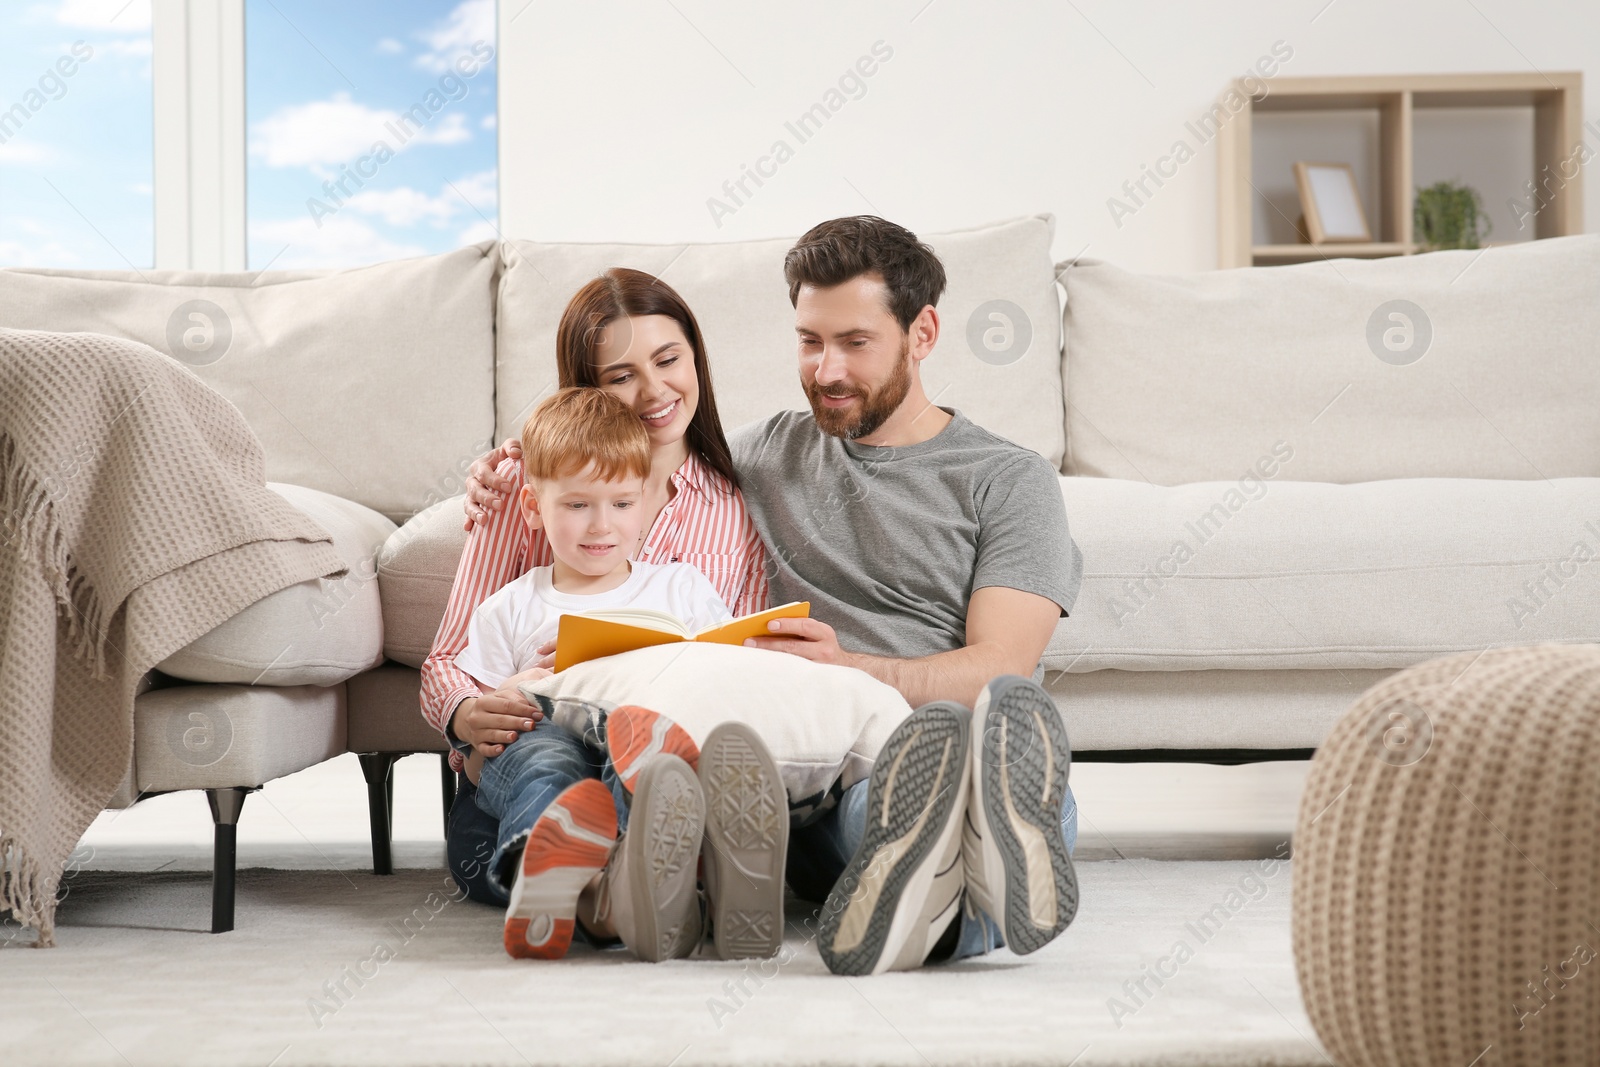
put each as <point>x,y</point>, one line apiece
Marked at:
<point>568,845</point>
<point>633,733</point>
<point>557,940</point>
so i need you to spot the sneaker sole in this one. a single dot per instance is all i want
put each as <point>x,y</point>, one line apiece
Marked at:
<point>746,842</point>
<point>635,734</point>
<point>568,845</point>
<point>1019,782</point>
<point>665,824</point>
<point>917,782</point>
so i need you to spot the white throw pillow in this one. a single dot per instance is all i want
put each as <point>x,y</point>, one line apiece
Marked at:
<point>823,725</point>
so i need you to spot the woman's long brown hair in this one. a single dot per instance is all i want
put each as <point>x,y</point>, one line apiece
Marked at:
<point>624,292</point>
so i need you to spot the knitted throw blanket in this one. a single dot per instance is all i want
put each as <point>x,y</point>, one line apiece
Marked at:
<point>134,518</point>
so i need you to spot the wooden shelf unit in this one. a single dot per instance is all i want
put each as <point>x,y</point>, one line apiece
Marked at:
<point>1556,99</point>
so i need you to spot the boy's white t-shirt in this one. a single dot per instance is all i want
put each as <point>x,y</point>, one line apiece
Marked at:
<point>506,630</point>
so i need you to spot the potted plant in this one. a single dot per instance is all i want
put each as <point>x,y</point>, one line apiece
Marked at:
<point>1450,215</point>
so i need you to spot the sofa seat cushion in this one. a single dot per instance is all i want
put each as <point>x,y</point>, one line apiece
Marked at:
<point>386,712</point>
<point>1201,709</point>
<point>1261,574</point>
<point>217,736</point>
<point>416,569</point>
<point>316,632</point>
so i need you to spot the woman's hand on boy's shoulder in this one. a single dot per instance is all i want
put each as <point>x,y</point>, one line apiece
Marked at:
<point>486,489</point>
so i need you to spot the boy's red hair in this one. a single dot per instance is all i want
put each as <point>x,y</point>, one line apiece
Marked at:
<point>580,426</point>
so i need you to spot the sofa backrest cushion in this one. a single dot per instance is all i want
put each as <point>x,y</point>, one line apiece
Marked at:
<point>1011,384</point>
<point>375,384</point>
<point>1469,364</point>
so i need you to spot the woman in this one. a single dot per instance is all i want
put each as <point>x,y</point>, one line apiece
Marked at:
<point>633,336</point>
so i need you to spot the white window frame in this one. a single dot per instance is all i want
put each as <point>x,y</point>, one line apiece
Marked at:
<point>198,75</point>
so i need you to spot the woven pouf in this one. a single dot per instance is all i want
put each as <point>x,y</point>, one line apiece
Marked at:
<point>1447,866</point>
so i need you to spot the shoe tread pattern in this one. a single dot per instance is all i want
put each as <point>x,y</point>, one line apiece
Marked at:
<point>1028,758</point>
<point>926,779</point>
<point>747,836</point>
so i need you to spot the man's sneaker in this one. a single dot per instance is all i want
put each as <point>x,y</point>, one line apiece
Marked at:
<point>568,845</point>
<point>902,888</point>
<point>649,891</point>
<point>1018,869</point>
<point>746,843</point>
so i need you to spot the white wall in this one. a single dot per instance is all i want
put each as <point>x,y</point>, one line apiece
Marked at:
<point>620,118</point>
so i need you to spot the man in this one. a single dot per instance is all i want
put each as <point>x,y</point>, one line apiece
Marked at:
<point>939,555</point>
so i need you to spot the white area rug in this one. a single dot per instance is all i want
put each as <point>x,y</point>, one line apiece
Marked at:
<point>335,967</point>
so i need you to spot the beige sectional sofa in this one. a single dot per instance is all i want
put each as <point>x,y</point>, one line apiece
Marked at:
<point>1282,493</point>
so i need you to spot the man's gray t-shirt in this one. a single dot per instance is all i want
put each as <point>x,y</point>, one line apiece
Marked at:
<point>889,542</point>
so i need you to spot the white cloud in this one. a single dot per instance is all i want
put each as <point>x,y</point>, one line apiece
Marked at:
<point>17,152</point>
<point>36,254</point>
<point>341,241</point>
<point>478,231</point>
<point>471,21</point>
<point>481,191</point>
<point>120,16</point>
<point>390,47</point>
<point>405,206</point>
<point>142,189</point>
<point>338,130</point>
<point>139,46</point>
<point>489,122</point>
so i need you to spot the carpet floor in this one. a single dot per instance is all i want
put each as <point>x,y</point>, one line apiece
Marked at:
<point>1168,963</point>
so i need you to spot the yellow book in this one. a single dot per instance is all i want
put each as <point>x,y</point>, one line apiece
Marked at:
<point>580,638</point>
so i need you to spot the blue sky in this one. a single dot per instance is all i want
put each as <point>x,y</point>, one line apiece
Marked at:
<point>328,83</point>
<point>75,161</point>
<point>327,89</point>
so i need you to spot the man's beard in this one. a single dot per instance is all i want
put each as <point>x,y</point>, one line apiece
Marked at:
<point>874,408</point>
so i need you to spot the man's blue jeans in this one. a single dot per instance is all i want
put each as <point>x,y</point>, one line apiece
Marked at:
<point>818,854</point>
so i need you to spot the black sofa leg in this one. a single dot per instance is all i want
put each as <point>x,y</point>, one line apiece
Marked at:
<point>225,807</point>
<point>378,768</point>
<point>447,783</point>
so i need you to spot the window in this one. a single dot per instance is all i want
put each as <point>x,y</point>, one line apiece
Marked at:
<point>76,135</point>
<point>370,129</point>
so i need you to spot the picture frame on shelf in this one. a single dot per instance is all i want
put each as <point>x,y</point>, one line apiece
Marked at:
<point>1331,202</point>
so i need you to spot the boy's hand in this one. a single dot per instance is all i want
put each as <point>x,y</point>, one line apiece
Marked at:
<point>492,721</point>
<point>532,674</point>
<point>487,490</point>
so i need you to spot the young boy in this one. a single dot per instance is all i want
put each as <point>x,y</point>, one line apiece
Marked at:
<point>586,454</point>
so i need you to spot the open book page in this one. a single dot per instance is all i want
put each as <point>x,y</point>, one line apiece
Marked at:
<point>580,638</point>
<point>648,618</point>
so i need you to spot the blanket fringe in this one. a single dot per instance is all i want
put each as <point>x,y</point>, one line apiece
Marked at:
<point>27,891</point>
<point>26,502</point>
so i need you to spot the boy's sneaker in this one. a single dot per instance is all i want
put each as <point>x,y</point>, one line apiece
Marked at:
<point>629,735</point>
<point>648,890</point>
<point>635,735</point>
<point>568,845</point>
<point>746,843</point>
<point>902,888</point>
<point>1017,866</point>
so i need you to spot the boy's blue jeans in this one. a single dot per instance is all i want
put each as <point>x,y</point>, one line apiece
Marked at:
<point>512,792</point>
<point>819,852</point>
